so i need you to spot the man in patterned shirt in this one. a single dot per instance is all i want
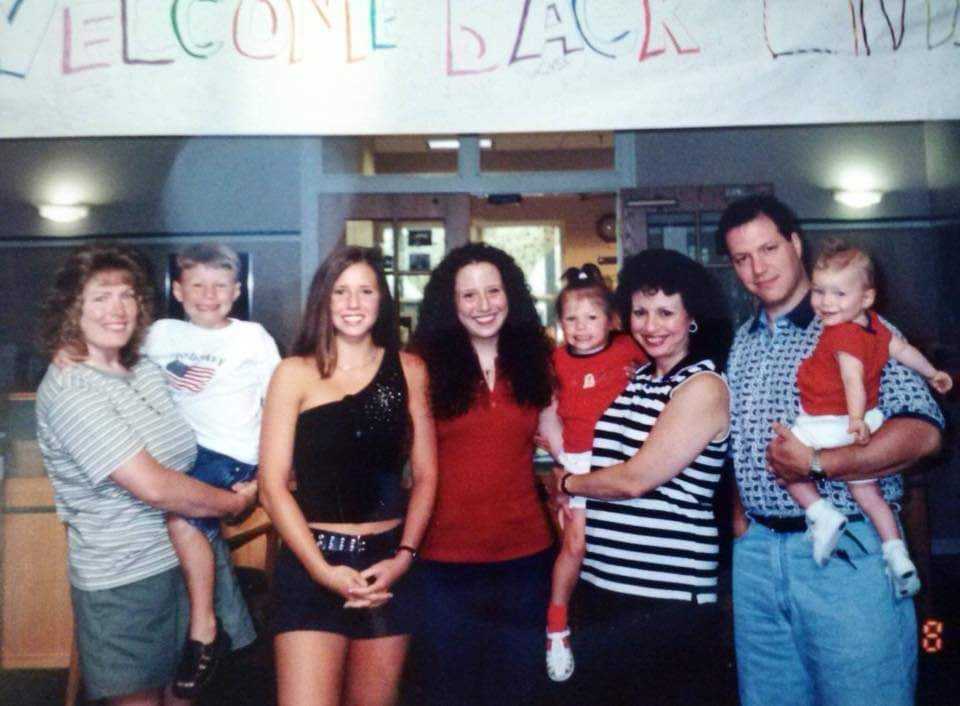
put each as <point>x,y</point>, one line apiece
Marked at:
<point>807,634</point>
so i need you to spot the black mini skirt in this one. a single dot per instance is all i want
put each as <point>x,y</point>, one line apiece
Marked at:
<point>300,603</point>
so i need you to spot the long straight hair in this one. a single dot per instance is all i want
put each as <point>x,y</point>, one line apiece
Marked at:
<point>317,336</point>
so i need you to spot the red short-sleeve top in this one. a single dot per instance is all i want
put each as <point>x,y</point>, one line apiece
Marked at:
<point>588,384</point>
<point>818,377</point>
<point>487,506</point>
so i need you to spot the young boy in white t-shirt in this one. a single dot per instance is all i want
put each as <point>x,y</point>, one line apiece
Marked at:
<point>217,369</point>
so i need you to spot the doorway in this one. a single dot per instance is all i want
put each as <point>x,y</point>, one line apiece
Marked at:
<point>545,234</point>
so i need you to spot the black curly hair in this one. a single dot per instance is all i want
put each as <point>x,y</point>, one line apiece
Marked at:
<point>523,349</point>
<point>670,272</point>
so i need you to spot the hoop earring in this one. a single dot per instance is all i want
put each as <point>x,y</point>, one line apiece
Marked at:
<point>693,328</point>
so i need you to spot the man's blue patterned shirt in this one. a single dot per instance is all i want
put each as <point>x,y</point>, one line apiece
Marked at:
<point>762,372</point>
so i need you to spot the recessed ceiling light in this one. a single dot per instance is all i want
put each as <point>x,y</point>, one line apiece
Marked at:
<point>63,214</point>
<point>452,143</point>
<point>858,199</point>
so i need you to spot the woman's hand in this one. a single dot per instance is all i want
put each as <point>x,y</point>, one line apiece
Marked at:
<point>248,492</point>
<point>377,581</point>
<point>343,581</point>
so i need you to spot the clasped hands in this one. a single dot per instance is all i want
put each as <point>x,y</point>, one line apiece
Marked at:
<point>369,588</point>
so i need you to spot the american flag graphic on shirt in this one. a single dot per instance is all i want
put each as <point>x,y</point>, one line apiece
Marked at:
<point>188,377</point>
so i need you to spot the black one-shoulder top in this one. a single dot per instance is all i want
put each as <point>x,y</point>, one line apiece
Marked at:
<point>349,455</point>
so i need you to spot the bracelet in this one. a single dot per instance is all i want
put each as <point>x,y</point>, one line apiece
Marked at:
<point>406,548</point>
<point>563,484</point>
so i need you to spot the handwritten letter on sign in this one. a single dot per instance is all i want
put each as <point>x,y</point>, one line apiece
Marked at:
<point>181,67</point>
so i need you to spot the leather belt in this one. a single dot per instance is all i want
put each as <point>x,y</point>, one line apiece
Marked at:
<point>797,523</point>
<point>328,541</point>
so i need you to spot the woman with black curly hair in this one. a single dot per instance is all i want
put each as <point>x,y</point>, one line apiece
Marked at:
<point>647,596</point>
<point>487,550</point>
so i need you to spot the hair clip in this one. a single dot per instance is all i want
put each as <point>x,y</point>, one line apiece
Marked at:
<point>582,275</point>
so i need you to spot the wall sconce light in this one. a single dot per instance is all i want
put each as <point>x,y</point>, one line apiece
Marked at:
<point>858,199</point>
<point>62,213</point>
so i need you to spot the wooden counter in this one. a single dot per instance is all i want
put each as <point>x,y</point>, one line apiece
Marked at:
<point>37,621</point>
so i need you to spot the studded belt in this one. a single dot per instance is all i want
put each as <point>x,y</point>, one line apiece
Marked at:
<point>328,541</point>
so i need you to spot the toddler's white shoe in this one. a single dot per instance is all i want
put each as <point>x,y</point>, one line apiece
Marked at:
<point>559,655</point>
<point>824,526</point>
<point>906,581</point>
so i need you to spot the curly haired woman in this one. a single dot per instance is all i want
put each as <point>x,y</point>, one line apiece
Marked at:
<point>487,551</point>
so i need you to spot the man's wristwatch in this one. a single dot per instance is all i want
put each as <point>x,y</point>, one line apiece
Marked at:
<point>816,467</point>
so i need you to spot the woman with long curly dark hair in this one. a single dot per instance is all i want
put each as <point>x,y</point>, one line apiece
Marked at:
<point>487,549</point>
<point>658,458</point>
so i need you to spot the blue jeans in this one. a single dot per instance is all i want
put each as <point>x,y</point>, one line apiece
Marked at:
<point>482,635</point>
<point>831,635</point>
<point>221,471</point>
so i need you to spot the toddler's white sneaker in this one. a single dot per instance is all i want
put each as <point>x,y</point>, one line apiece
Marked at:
<point>559,655</point>
<point>824,526</point>
<point>906,581</point>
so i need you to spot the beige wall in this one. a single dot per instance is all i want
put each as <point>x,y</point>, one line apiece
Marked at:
<point>577,213</point>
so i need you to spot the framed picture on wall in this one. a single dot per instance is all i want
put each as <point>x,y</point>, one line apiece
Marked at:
<point>420,237</point>
<point>241,307</point>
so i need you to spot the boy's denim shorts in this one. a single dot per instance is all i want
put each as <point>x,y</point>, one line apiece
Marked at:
<point>221,471</point>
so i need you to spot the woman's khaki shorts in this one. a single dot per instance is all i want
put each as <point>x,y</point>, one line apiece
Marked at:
<point>130,637</point>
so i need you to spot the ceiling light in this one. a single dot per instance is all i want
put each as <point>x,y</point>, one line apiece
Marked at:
<point>651,203</point>
<point>858,199</point>
<point>452,143</point>
<point>63,214</point>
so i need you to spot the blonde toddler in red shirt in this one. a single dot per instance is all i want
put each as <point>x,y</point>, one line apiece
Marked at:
<point>839,386</point>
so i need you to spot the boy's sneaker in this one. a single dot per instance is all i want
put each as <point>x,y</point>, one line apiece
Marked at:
<point>199,663</point>
<point>900,569</point>
<point>824,526</point>
<point>559,655</point>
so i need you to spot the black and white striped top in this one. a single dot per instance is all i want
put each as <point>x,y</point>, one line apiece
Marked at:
<point>665,544</point>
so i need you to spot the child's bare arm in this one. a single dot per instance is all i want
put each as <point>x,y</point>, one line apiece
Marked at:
<point>851,373</point>
<point>907,354</point>
<point>550,430</point>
